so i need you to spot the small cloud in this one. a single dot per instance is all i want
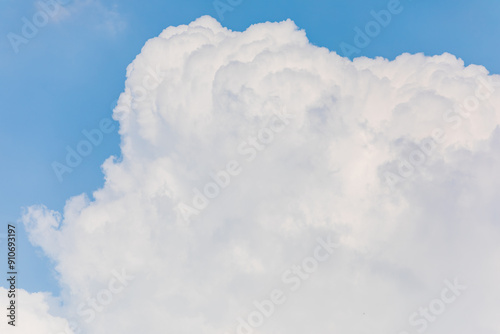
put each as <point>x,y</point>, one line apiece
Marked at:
<point>113,22</point>
<point>102,18</point>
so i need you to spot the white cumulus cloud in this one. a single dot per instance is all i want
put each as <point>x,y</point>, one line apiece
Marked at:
<point>244,152</point>
<point>32,314</point>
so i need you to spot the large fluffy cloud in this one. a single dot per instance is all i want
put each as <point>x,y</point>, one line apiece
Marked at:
<point>393,161</point>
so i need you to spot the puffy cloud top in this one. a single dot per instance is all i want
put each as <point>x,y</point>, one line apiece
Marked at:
<point>245,154</point>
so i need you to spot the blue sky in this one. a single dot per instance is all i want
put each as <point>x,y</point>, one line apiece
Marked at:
<point>67,77</point>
